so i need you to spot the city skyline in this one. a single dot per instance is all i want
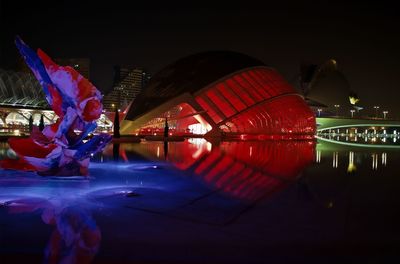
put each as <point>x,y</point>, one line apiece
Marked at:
<point>361,37</point>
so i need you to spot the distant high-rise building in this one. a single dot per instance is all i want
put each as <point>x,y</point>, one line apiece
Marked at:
<point>128,83</point>
<point>81,65</point>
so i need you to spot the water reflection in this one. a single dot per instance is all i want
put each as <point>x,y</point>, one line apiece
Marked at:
<point>253,170</point>
<point>352,167</point>
<point>116,152</point>
<point>335,160</point>
<point>75,237</point>
<point>245,170</point>
<point>332,188</point>
<point>376,156</point>
<point>378,136</point>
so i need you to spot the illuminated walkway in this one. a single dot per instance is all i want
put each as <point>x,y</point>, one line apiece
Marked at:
<point>325,123</point>
<point>15,120</point>
<point>371,133</point>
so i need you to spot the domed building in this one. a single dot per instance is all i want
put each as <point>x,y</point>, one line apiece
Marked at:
<point>327,90</point>
<point>219,93</point>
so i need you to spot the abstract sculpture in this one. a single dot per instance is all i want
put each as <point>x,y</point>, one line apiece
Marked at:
<point>62,148</point>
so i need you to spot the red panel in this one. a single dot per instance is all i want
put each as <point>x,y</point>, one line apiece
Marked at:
<point>270,83</point>
<point>210,111</point>
<point>274,80</point>
<point>220,102</point>
<point>231,97</point>
<point>266,85</point>
<point>208,162</point>
<point>288,114</point>
<point>217,170</point>
<point>257,86</point>
<point>243,188</point>
<point>236,169</point>
<point>240,91</point>
<point>248,88</point>
<point>242,177</point>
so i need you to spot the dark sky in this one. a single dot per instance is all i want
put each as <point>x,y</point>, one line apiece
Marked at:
<point>364,38</point>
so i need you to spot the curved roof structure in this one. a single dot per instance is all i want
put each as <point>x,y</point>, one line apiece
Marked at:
<point>220,93</point>
<point>21,89</point>
<point>325,86</point>
<point>189,74</point>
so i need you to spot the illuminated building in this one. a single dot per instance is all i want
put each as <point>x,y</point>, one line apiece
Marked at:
<point>21,97</point>
<point>220,93</point>
<point>327,90</point>
<point>128,83</point>
<point>20,89</point>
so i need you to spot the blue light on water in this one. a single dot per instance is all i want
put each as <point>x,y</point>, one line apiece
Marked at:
<point>237,187</point>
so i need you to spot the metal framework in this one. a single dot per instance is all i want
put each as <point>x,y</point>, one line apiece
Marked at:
<point>20,89</point>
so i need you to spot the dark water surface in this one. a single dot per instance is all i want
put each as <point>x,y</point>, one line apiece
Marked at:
<point>198,202</point>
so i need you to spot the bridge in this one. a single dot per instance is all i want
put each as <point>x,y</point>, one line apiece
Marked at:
<point>375,132</point>
<point>331,123</point>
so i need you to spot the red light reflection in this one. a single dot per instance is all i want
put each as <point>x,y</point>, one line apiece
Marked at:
<point>247,170</point>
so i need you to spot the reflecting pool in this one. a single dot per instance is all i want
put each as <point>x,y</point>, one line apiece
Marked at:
<point>201,202</point>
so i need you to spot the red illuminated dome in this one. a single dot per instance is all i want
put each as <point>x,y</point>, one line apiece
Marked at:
<point>218,93</point>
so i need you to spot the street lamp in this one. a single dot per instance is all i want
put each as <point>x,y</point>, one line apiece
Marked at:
<point>376,107</point>
<point>337,109</point>
<point>385,113</point>
<point>352,112</point>
<point>319,112</point>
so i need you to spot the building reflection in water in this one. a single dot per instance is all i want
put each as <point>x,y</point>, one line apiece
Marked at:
<point>251,169</point>
<point>384,158</point>
<point>352,167</point>
<point>375,161</point>
<point>318,156</point>
<point>247,170</point>
<point>335,160</point>
<point>351,164</point>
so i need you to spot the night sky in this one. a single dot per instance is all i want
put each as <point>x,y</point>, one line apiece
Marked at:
<point>364,38</point>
